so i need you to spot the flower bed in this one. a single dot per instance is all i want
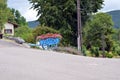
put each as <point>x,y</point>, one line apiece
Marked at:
<point>49,35</point>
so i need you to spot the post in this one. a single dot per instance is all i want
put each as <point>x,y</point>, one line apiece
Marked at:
<point>79,38</point>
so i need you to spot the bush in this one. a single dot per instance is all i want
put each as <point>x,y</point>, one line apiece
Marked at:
<point>24,32</point>
<point>109,55</point>
<point>116,49</point>
<point>95,51</point>
<point>30,39</point>
<point>84,50</point>
<point>43,30</point>
<point>88,53</point>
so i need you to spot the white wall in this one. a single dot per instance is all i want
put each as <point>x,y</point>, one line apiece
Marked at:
<point>9,26</point>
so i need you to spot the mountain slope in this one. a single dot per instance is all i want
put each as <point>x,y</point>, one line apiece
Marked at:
<point>115,17</point>
<point>33,24</point>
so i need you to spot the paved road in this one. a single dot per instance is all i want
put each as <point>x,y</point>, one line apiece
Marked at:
<point>17,63</point>
<point>8,43</point>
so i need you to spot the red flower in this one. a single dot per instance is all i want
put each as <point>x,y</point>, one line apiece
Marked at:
<point>49,35</point>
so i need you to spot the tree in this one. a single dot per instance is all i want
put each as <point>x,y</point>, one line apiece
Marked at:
<point>3,1</point>
<point>20,20</point>
<point>116,36</point>
<point>62,15</point>
<point>3,13</point>
<point>98,32</point>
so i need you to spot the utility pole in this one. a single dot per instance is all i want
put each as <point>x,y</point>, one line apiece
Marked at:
<point>79,38</point>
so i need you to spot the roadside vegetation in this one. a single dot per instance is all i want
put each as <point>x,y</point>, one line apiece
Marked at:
<point>99,37</point>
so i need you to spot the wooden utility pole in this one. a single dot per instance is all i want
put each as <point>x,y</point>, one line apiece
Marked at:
<point>79,38</point>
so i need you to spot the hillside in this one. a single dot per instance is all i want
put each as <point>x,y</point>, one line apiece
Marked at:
<point>33,24</point>
<point>115,17</point>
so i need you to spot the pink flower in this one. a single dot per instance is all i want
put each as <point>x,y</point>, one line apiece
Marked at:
<point>49,35</point>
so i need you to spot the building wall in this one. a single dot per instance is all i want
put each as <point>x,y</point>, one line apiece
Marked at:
<point>8,28</point>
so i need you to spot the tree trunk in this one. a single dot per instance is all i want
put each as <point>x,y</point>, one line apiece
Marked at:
<point>103,45</point>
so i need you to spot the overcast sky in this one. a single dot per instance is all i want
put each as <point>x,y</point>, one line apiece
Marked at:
<point>24,7</point>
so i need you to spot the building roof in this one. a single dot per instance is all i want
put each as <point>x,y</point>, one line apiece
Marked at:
<point>15,25</point>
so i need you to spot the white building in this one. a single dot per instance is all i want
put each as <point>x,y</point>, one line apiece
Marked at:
<point>9,28</point>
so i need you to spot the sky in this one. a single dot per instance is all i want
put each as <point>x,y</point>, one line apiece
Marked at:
<point>110,5</point>
<point>24,7</point>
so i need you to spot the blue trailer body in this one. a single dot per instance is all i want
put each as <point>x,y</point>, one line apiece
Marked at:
<point>49,42</point>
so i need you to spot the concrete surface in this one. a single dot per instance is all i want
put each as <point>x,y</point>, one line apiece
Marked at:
<point>17,63</point>
<point>12,43</point>
<point>7,43</point>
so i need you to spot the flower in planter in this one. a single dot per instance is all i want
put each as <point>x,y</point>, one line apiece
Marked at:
<point>49,35</point>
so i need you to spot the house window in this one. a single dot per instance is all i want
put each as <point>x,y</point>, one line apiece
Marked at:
<point>8,31</point>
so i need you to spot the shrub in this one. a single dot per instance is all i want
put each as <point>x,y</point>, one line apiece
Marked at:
<point>95,51</point>
<point>84,50</point>
<point>40,30</point>
<point>24,32</point>
<point>109,55</point>
<point>88,53</point>
<point>116,49</point>
<point>30,39</point>
<point>43,30</point>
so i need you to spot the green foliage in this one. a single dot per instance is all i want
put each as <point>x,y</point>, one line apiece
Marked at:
<point>88,53</point>
<point>20,20</point>
<point>116,48</point>
<point>84,50</point>
<point>43,30</point>
<point>29,35</point>
<point>116,36</point>
<point>62,15</point>
<point>95,51</point>
<point>25,33</point>
<point>4,12</point>
<point>11,15</point>
<point>109,55</point>
<point>3,1</point>
<point>98,31</point>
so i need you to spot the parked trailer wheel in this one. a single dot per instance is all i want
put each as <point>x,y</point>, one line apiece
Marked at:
<point>44,46</point>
